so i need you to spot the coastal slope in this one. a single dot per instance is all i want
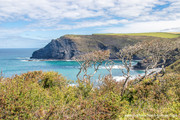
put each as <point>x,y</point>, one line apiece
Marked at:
<point>68,46</point>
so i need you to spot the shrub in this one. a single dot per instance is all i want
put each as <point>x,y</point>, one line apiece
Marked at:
<point>51,79</point>
<point>47,95</point>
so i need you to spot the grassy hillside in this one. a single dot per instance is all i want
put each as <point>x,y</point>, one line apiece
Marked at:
<point>153,34</point>
<point>72,45</point>
<point>175,67</point>
<point>115,42</point>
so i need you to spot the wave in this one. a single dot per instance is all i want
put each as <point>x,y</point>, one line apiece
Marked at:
<point>113,67</point>
<point>23,58</point>
<point>154,69</point>
<point>120,78</point>
<point>48,60</point>
<point>27,60</point>
<point>68,60</point>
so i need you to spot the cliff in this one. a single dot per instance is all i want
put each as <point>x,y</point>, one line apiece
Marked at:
<point>62,48</point>
<point>68,46</point>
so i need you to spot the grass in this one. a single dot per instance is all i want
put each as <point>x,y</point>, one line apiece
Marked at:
<point>86,43</point>
<point>175,67</point>
<point>153,34</point>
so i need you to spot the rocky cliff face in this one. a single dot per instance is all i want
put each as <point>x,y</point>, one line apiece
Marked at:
<point>68,46</point>
<point>175,55</point>
<point>61,48</point>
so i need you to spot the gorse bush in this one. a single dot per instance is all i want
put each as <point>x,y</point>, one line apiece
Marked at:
<point>21,96</point>
<point>51,79</point>
<point>48,95</point>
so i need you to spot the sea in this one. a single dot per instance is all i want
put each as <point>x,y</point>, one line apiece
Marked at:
<point>16,61</point>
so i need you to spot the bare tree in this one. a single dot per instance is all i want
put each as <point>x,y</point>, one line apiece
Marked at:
<point>91,60</point>
<point>155,54</point>
<point>126,56</point>
<point>1,76</point>
<point>109,66</point>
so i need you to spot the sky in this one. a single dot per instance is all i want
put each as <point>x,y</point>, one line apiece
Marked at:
<point>33,23</point>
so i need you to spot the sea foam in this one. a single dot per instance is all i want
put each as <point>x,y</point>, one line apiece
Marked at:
<point>113,67</point>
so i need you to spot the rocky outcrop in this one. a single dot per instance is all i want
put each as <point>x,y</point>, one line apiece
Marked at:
<point>174,56</point>
<point>61,48</point>
<point>141,65</point>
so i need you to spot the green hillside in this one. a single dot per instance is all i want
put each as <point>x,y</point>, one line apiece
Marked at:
<point>80,44</point>
<point>87,43</point>
<point>175,67</point>
<point>153,34</point>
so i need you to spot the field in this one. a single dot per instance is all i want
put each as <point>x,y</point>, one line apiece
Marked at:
<point>153,34</point>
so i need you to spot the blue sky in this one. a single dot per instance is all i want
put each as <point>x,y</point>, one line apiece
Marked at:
<point>33,23</point>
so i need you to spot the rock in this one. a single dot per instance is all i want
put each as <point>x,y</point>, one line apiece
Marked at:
<point>57,49</point>
<point>174,56</point>
<point>141,65</point>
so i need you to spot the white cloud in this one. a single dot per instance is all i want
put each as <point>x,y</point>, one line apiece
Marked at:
<point>54,15</point>
<point>86,24</point>
<point>152,26</point>
<point>21,42</point>
<point>76,9</point>
<point>51,14</point>
<point>43,9</point>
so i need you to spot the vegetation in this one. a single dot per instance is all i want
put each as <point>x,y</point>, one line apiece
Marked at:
<point>92,59</point>
<point>38,95</point>
<point>153,34</point>
<point>48,95</point>
<point>89,43</point>
<point>175,67</point>
<point>95,42</point>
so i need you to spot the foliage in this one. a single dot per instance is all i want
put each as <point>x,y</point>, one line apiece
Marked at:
<point>51,79</point>
<point>175,67</point>
<point>47,95</point>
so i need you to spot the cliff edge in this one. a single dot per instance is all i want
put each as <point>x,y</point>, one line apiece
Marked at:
<point>68,46</point>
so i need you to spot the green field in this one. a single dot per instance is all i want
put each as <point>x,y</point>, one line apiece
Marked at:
<point>154,34</point>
